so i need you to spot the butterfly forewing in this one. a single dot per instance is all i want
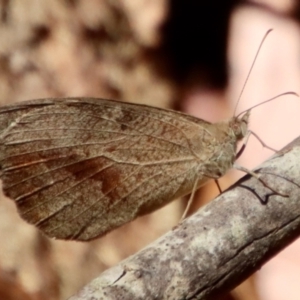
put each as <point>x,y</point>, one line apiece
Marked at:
<point>78,168</point>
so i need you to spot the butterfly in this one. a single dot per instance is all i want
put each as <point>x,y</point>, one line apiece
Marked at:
<point>78,168</point>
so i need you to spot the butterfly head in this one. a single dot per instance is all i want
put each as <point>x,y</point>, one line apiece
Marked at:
<point>239,126</point>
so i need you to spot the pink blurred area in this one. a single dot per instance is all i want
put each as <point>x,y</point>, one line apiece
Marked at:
<point>277,123</point>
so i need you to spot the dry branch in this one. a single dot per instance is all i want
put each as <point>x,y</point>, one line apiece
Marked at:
<point>219,246</point>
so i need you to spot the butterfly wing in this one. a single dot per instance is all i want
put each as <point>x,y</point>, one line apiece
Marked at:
<point>78,168</point>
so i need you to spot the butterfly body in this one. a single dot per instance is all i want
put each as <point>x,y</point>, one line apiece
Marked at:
<point>80,167</point>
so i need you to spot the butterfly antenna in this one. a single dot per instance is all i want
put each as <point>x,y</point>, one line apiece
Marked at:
<point>266,101</point>
<point>249,73</point>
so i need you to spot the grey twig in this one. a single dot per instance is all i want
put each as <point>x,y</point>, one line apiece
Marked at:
<point>219,246</point>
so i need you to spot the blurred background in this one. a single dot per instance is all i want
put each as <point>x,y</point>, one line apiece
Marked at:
<point>189,55</point>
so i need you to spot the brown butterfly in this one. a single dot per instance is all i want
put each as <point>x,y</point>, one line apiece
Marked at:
<point>80,167</point>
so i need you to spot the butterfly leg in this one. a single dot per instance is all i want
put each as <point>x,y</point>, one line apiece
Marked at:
<point>190,201</point>
<point>218,185</point>
<point>246,139</point>
<point>257,176</point>
<point>261,141</point>
<point>192,196</point>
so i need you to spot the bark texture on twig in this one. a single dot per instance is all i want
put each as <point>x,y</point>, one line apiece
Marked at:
<point>218,247</point>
